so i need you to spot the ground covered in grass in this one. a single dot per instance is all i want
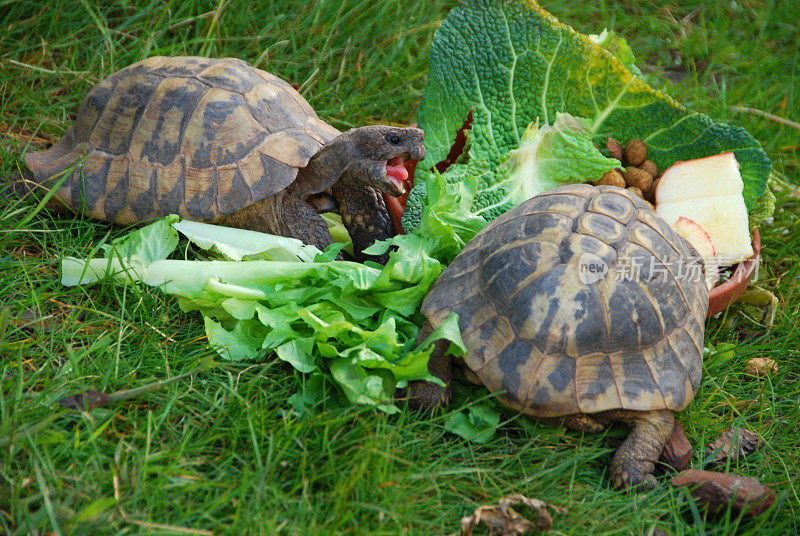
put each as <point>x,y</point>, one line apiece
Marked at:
<point>222,451</point>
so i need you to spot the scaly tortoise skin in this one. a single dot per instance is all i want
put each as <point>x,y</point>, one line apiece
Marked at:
<point>590,350</point>
<point>206,138</point>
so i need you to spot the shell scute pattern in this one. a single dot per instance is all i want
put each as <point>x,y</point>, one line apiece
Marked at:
<point>548,226</point>
<point>503,279</point>
<point>220,134</point>
<point>558,344</point>
<point>91,108</point>
<point>569,205</point>
<point>594,378</point>
<point>234,191</point>
<point>591,330</point>
<point>230,76</point>
<point>638,387</point>
<point>117,186</point>
<point>93,180</point>
<point>117,122</point>
<point>620,208</point>
<point>143,194</point>
<point>601,226</point>
<point>633,317</point>
<point>164,122</point>
<point>221,131</point>
<point>574,246</point>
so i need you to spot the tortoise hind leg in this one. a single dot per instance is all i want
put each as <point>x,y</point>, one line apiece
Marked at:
<point>425,394</point>
<point>633,463</point>
<point>366,218</point>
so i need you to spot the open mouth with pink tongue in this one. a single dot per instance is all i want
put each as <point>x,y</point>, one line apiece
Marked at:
<point>397,172</point>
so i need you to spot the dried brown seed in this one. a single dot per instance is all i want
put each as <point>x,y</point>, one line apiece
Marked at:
<point>614,147</point>
<point>635,151</point>
<point>650,167</point>
<point>635,190</point>
<point>650,195</point>
<point>761,367</point>
<point>612,178</point>
<point>636,177</point>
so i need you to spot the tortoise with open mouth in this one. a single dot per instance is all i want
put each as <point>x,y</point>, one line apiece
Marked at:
<point>218,140</point>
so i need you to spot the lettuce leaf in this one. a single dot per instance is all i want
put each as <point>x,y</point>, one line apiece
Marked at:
<point>512,63</point>
<point>262,293</point>
<point>446,219</point>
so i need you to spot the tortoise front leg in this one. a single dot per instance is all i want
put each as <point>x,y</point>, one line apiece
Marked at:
<point>366,218</point>
<point>302,221</point>
<point>425,394</point>
<point>633,463</point>
<point>286,215</point>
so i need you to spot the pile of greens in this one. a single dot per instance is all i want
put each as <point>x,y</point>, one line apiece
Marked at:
<point>260,293</point>
<point>514,65</point>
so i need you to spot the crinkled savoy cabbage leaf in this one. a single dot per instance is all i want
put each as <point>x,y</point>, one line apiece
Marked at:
<point>446,209</point>
<point>513,63</point>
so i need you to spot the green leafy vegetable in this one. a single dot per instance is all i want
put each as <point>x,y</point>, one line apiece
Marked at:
<point>359,322</point>
<point>478,417</point>
<point>149,243</point>
<point>618,47</point>
<point>444,216</point>
<point>764,208</point>
<point>244,243</point>
<point>547,156</point>
<point>513,64</point>
<point>719,355</point>
<point>478,423</point>
<point>338,230</point>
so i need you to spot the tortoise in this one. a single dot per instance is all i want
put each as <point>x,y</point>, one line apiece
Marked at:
<point>573,344</point>
<point>218,140</point>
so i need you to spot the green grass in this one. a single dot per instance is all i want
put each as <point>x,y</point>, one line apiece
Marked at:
<point>222,452</point>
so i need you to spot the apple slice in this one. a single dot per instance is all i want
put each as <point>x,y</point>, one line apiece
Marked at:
<point>699,239</point>
<point>708,191</point>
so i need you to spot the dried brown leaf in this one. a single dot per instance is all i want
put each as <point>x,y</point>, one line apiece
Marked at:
<point>718,490</point>
<point>85,400</point>
<point>502,520</point>
<point>761,367</point>
<point>734,444</point>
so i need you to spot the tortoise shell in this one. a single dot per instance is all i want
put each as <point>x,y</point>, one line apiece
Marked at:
<point>560,337</point>
<point>193,136</point>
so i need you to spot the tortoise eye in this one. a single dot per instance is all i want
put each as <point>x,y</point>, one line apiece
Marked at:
<point>393,138</point>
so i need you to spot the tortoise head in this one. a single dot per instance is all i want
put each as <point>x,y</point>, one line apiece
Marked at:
<point>378,153</point>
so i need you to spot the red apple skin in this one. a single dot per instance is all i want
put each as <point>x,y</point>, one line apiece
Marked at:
<point>700,240</point>
<point>692,227</point>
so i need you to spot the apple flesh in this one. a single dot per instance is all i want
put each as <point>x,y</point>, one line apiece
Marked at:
<point>708,191</point>
<point>699,239</point>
